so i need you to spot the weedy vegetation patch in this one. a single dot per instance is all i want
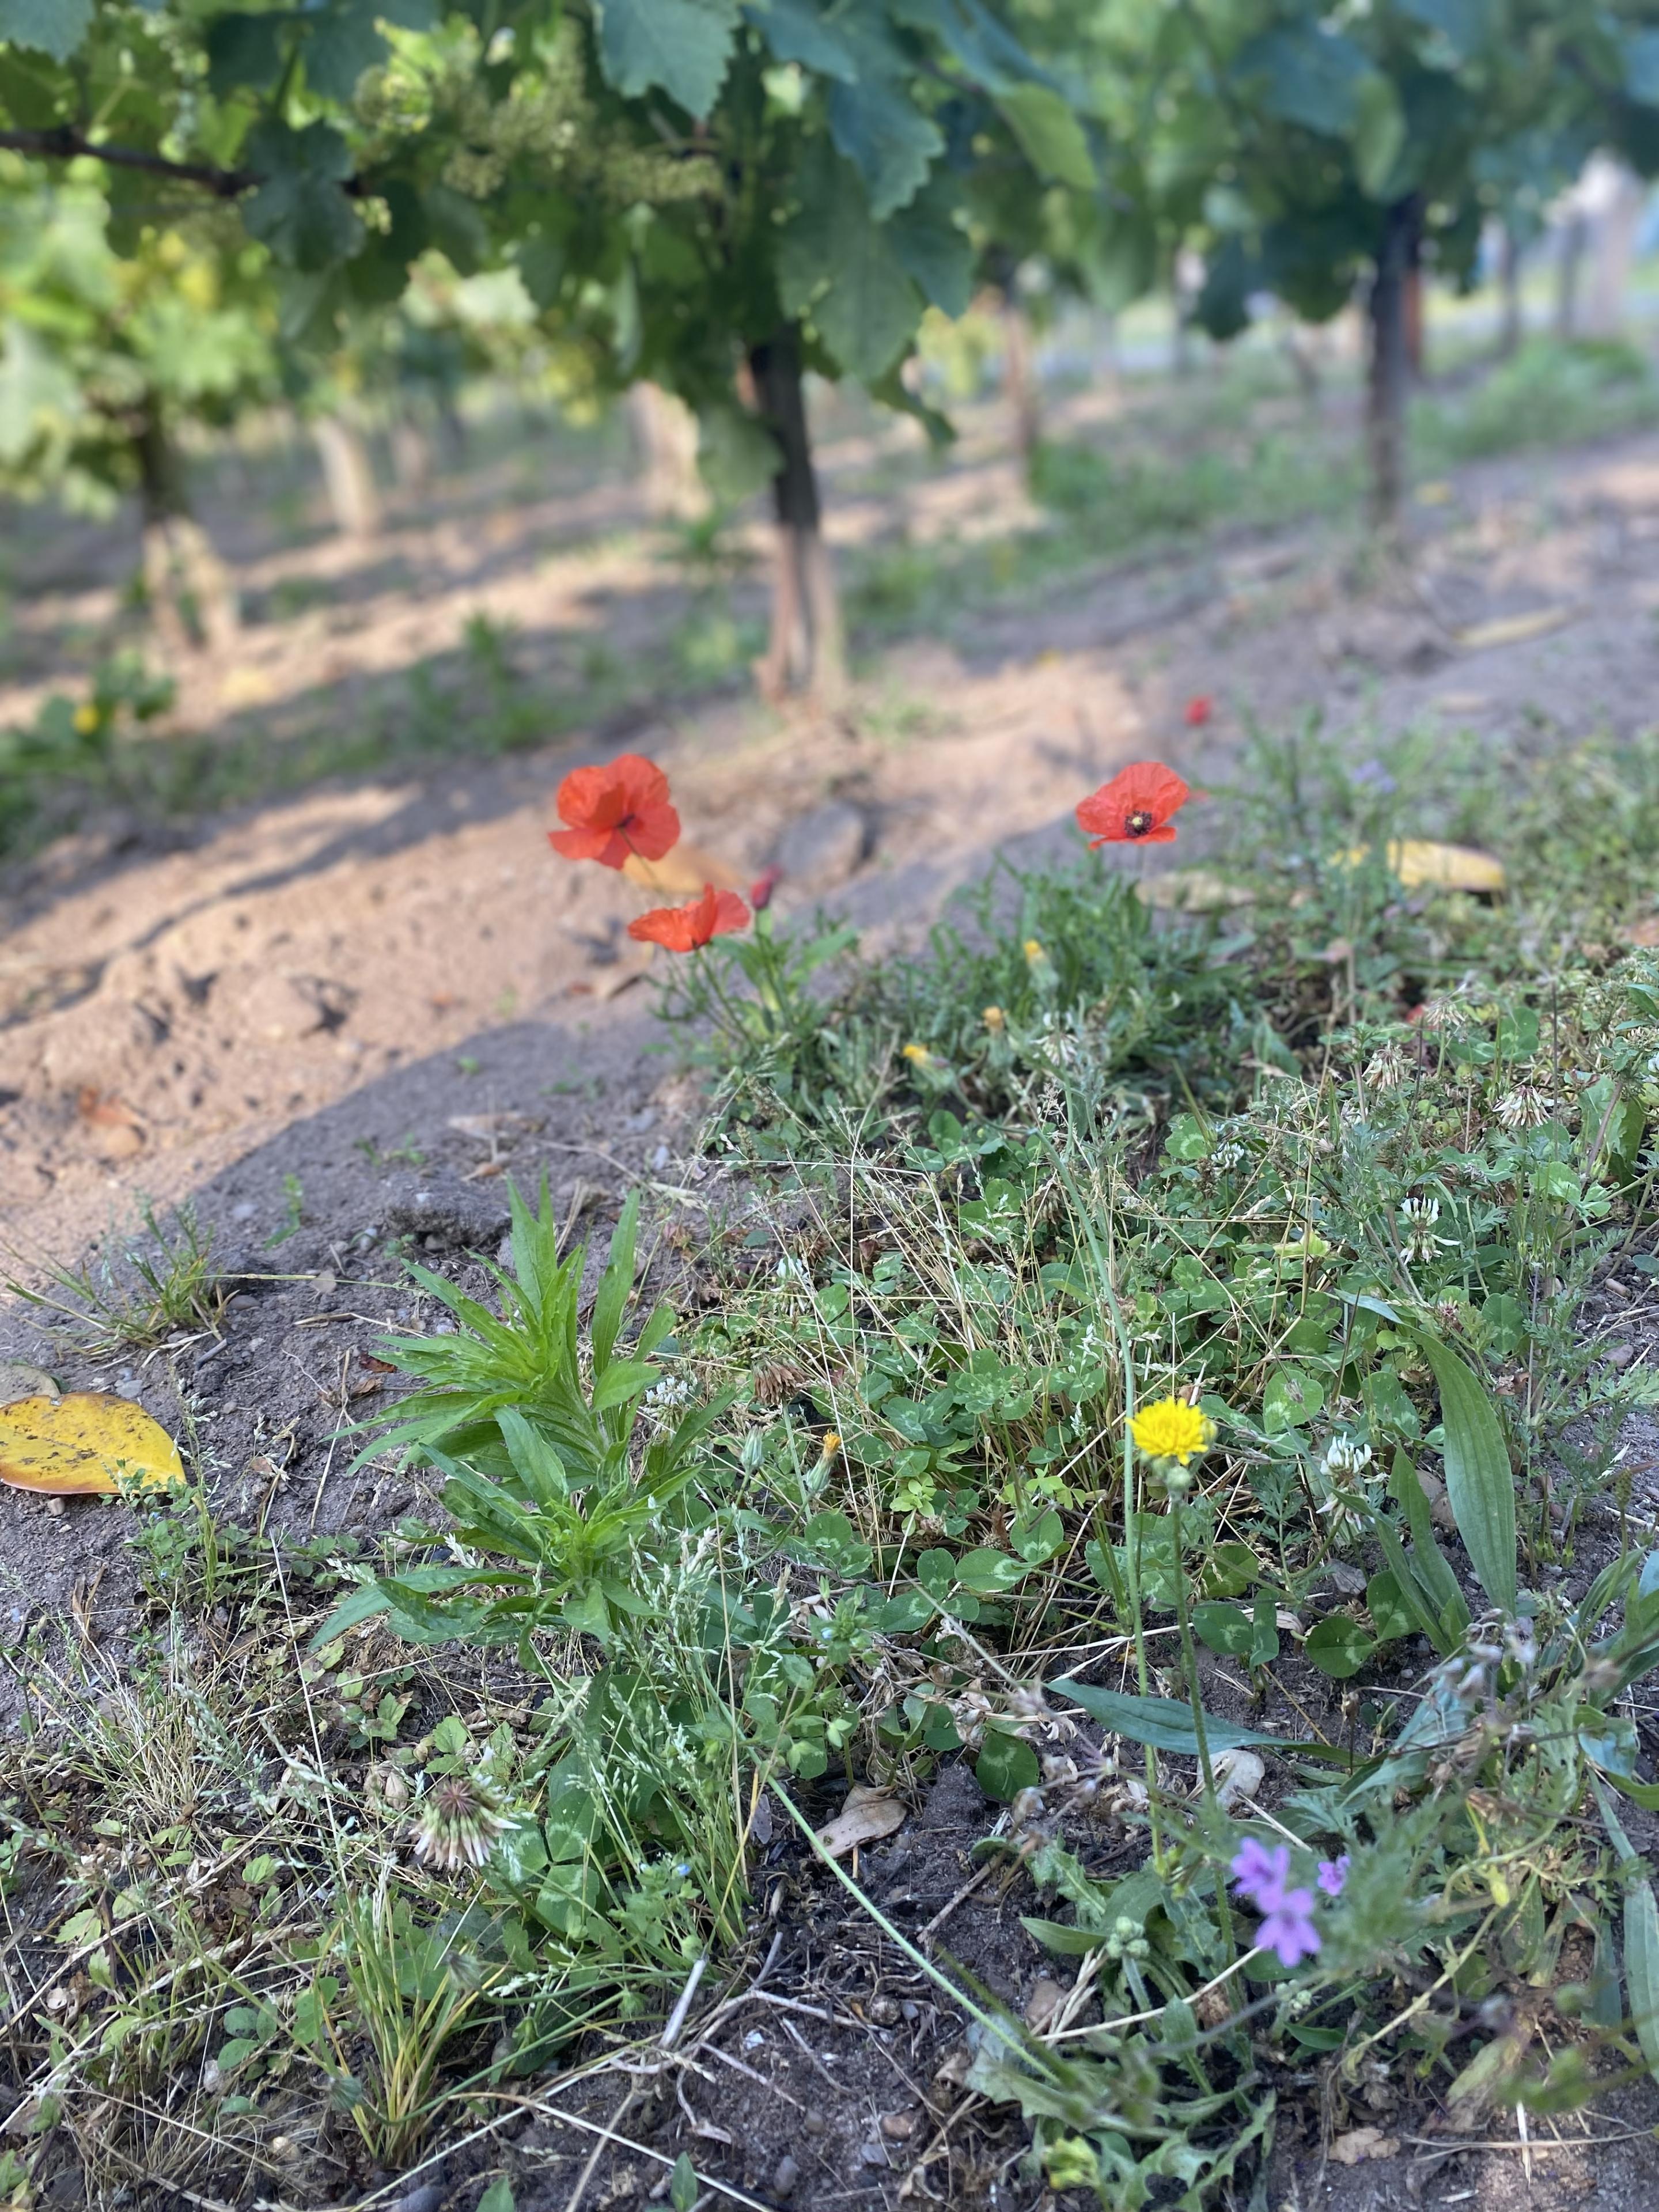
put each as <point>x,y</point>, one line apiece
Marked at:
<point>1160,1350</point>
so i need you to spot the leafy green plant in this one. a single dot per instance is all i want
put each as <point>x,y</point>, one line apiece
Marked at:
<point>537,1447</point>
<point>149,1282</point>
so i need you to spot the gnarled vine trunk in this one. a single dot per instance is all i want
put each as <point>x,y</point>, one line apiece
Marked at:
<point>1389,366</point>
<point>1512,326</point>
<point>807,650</point>
<point>353,494</point>
<point>1019,378</point>
<point>193,601</point>
<point>665,439</point>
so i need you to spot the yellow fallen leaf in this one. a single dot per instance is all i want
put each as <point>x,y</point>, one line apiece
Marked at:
<point>687,869</point>
<point>83,1443</point>
<point>246,687</point>
<point>1514,629</point>
<point>1192,890</point>
<point>1419,861</point>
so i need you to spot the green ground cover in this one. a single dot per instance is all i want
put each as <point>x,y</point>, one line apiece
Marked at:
<point>1127,1316</point>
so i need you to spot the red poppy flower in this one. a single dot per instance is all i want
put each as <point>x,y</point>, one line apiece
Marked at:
<point>686,928</point>
<point>1135,806</point>
<point>761,890</point>
<point>1198,711</point>
<point>610,813</point>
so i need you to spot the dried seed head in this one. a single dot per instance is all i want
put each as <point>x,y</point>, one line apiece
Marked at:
<point>458,1824</point>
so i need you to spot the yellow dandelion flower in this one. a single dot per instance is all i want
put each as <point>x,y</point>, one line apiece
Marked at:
<point>1033,950</point>
<point>993,1021</point>
<point>1171,1430</point>
<point>831,1445</point>
<point>917,1054</point>
<point>86,718</point>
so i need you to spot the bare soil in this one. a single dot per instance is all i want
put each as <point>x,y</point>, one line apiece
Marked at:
<point>336,1021</point>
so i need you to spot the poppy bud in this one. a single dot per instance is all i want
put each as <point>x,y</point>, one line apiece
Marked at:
<point>761,890</point>
<point>1198,710</point>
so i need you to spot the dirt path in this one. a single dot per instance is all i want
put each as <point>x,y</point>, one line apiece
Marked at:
<point>168,1012</point>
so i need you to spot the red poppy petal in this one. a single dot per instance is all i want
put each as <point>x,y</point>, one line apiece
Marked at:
<point>590,798</point>
<point>607,846</point>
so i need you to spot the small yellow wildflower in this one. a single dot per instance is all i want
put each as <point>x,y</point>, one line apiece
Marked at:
<point>917,1054</point>
<point>1171,1430</point>
<point>832,1443</point>
<point>1033,950</point>
<point>993,1020</point>
<point>86,718</point>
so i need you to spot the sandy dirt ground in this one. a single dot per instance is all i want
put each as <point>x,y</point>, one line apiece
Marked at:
<point>341,1018</point>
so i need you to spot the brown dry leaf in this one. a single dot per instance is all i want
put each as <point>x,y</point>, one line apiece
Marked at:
<point>1238,1773</point>
<point>1044,2001</point>
<point>116,1130</point>
<point>1420,862</point>
<point>1361,2144</point>
<point>1192,890</point>
<point>19,1380</point>
<point>688,868</point>
<point>1514,629</point>
<point>1645,932</point>
<point>866,1818</point>
<point>487,1127</point>
<point>85,1442</point>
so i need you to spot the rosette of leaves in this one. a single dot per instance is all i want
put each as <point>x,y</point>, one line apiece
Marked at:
<point>535,1430</point>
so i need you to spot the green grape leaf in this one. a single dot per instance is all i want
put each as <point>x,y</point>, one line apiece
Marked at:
<point>1463,24</point>
<point>36,388</point>
<point>1641,50</point>
<point>343,44</point>
<point>244,51</point>
<point>881,131</point>
<point>50,27</point>
<point>1379,137</point>
<point>935,252</point>
<point>736,456</point>
<point>682,46</point>
<point>796,31</point>
<point>1305,76</point>
<point>839,265</point>
<point>1050,135</point>
<point>300,211</point>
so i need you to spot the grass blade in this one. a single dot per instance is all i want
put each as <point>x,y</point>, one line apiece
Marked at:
<point>1479,1482</point>
<point>1166,1723</point>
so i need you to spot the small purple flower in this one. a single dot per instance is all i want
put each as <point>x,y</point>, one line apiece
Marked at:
<point>1287,1929</point>
<point>1260,1875</point>
<point>1371,775</point>
<point>1332,1873</point>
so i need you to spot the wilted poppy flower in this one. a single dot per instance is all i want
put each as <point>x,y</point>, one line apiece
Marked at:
<point>686,928</point>
<point>1135,806</point>
<point>610,813</point>
<point>1198,710</point>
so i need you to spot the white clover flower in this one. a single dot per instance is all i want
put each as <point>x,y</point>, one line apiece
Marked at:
<point>1526,1106</point>
<point>1346,1458</point>
<point>1418,1215</point>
